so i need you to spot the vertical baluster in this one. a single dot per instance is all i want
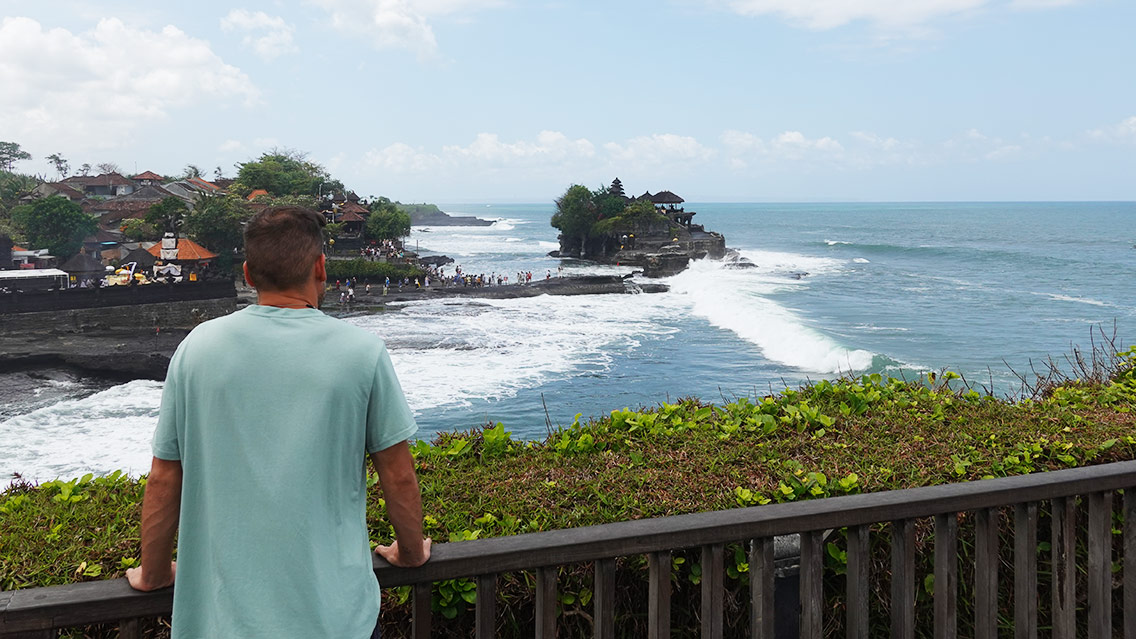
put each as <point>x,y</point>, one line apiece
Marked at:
<point>486,611</point>
<point>1100,565</point>
<point>604,599</point>
<point>1025,571</point>
<point>420,621</point>
<point>546,603</point>
<point>1130,563</point>
<point>1064,571</point>
<point>659,595</point>
<point>128,629</point>
<point>986,574</point>
<point>812,595</point>
<point>903,579</point>
<point>761,588</point>
<point>946,576</point>
<point>858,588</point>
<point>712,595</point>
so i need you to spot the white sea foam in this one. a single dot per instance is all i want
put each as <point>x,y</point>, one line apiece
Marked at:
<point>835,242</point>
<point>738,301</point>
<point>861,260</point>
<point>107,431</point>
<point>453,352</point>
<point>1067,298</point>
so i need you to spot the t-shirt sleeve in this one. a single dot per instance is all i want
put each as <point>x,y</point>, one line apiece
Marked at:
<point>389,420</point>
<point>165,443</point>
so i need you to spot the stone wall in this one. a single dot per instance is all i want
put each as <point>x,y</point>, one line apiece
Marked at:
<point>184,314</point>
<point>77,298</point>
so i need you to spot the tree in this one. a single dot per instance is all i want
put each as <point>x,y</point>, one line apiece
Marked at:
<point>137,230</point>
<point>284,172</point>
<point>191,171</point>
<point>218,174</point>
<point>55,223</point>
<point>84,169</point>
<point>107,167</point>
<point>61,165</point>
<point>217,223</point>
<point>386,221</point>
<point>168,214</point>
<point>575,214</point>
<point>10,153</point>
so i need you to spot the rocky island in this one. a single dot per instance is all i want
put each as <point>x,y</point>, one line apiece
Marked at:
<point>431,215</point>
<point>654,232</point>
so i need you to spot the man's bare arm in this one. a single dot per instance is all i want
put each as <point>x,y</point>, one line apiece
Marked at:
<point>161,507</point>
<point>399,484</point>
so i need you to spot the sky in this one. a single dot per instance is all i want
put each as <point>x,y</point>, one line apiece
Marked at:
<point>514,100</point>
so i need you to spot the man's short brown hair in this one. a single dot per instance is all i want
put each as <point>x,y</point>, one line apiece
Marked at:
<point>281,245</point>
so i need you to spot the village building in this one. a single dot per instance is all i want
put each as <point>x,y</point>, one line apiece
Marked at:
<point>135,205</point>
<point>107,185</point>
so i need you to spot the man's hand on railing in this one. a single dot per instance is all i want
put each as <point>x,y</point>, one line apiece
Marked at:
<point>400,557</point>
<point>146,582</point>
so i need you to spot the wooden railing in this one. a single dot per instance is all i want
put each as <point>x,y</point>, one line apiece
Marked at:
<point>37,612</point>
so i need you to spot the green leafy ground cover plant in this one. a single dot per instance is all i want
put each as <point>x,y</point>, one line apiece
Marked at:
<point>827,438</point>
<point>372,271</point>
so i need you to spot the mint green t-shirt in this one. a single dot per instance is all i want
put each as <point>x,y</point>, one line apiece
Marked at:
<point>271,412</point>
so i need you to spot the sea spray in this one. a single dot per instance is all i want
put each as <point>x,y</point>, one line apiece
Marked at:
<point>737,299</point>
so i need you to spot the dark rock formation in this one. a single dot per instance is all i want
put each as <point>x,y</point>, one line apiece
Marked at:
<point>435,260</point>
<point>438,218</point>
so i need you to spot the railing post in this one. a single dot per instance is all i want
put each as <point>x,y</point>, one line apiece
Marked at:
<point>1130,564</point>
<point>903,579</point>
<point>1100,565</point>
<point>420,613</point>
<point>1063,552</point>
<point>659,595</point>
<point>128,629</point>
<point>986,574</point>
<point>761,588</point>
<point>486,613</point>
<point>946,576</point>
<point>858,586</point>
<point>812,594</point>
<point>546,603</point>
<point>1025,571</point>
<point>603,599</point>
<point>712,593</point>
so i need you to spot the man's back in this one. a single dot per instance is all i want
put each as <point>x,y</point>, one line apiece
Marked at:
<point>271,411</point>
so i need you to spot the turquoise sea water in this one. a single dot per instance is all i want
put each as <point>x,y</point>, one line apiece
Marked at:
<point>894,288</point>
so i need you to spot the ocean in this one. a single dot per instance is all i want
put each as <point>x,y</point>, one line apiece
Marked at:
<point>982,289</point>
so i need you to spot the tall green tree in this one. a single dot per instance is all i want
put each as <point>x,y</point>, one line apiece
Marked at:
<point>10,153</point>
<point>217,223</point>
<point>62,167</point>
<point>54,223</point>
<point>575,215</point>
<point>386,222</point>
<point>168,214</point>
<point>285,173</point>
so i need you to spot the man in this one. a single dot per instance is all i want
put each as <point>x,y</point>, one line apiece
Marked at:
<point>267,417</point>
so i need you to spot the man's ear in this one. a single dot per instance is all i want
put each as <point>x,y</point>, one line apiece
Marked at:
<point>248,278</point>
<point>321,268</point>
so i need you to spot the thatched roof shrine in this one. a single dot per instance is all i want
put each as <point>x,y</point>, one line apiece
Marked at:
<point>666,197</point>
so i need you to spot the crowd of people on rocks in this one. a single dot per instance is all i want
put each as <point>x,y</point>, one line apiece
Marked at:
<point>384,250</point>
<point>436,276</point>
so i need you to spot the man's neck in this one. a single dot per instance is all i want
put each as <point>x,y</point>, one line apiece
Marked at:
<point>287,299</point>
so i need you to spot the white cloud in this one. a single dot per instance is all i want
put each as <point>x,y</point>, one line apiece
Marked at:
<point>397,24</point>
<point>1124,131</point>
<point>889,15</point>
<point>657,149</point>
<point>268,36</point>
<point>829,14</point>
<point>231,146</point>
<point>550,149</point>
<point>96,89</point>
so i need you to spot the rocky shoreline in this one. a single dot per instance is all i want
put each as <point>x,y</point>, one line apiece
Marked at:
<point>144,352</point>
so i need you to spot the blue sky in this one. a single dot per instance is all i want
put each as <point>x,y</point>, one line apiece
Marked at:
<point>504,100</point>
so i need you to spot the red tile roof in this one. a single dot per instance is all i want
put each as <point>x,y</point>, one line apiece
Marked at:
<point>350,216</point>
<point>149,175</point>
<point>209,186</point>
<point>187,250</point>
<point>256,193</point>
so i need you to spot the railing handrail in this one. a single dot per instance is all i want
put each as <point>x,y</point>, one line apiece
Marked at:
<point>111,600</point>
